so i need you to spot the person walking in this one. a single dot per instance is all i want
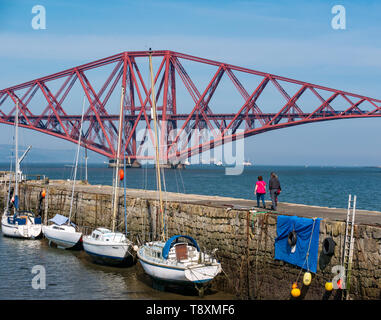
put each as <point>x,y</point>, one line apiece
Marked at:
<point>274,189</point>
<point>260,191</point>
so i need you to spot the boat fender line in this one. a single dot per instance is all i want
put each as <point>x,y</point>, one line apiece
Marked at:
<point>329,246</point>
<point>292,238</point>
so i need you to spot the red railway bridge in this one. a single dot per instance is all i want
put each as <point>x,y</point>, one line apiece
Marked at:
<point>260,102</point>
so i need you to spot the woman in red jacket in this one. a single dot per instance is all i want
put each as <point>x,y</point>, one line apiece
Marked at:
<point>260,191</point>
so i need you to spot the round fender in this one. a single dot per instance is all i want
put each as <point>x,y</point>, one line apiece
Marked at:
<point>292,238</point>
<point>329,246</point>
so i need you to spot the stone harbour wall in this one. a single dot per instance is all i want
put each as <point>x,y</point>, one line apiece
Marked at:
<point>245,240</point>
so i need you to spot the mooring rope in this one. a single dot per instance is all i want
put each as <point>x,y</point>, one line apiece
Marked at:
<point>308,251</point>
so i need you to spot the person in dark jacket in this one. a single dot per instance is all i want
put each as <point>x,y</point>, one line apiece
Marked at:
<point>274,189</point>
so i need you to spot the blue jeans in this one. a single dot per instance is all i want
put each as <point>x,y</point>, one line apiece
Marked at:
<point>261,196</point>
<point>274,198</point>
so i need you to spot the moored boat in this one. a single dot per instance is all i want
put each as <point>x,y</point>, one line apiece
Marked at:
<point>19,224</point>
<point>62,231</point>
<point>22,224</point>
<point>178,260</point>
<point>109,246</point>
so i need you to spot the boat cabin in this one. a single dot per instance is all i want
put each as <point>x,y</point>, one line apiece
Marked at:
<point>178,248</point>
<point>105,234</point>
<point>22,217</point>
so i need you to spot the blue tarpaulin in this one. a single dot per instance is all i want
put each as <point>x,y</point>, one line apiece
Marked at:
<point>304,228</point>
<point>60,220</point>
<point>172,240</point>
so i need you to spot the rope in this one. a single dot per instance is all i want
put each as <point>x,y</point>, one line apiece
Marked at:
<point>182,181</point>
<point>308,251</point>
<point>259,241</point>
<point>144,186</point>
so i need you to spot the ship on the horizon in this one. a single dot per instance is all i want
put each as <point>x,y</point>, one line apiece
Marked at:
<point>247,163</point>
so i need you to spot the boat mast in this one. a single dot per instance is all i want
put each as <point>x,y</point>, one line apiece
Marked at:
<point>86,164</point>
<point>156,146</point>
<point>118,158</point>
<point>17,165</point>
<point>9,186</point>
<point>76,161</point>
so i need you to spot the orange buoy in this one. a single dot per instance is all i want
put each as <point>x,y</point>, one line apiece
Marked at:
<point>295,292</point>
<point>339,284</point>
<point>121,174</point>
<point>294,285</point>
<point>43,193</point>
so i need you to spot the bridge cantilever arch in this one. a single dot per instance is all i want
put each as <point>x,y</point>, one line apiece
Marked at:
<point>259,102</point>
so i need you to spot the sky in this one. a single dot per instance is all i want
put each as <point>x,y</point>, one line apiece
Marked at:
<point>294,39</point>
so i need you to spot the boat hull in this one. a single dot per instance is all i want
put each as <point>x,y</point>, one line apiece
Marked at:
<point>181,275</point>
<point>26,231</point>
<point>65,237</point>
<point>108,253</point>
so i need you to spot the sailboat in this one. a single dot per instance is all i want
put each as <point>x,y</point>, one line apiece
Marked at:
<point>178,259</point>
<point>104,245</point>
<point>62,231</point>
<point>19,224</point>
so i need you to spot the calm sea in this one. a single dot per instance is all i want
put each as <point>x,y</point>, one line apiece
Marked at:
<point>70,274</point>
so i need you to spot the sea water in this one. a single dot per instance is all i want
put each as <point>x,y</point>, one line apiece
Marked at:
<point>319,186</point>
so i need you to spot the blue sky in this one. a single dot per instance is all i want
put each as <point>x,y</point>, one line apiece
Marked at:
<point>289,38</point>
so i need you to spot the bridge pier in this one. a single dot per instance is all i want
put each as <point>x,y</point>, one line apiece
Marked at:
<point>169,165</point>
<point>129,163</point>
<point>136,164</point>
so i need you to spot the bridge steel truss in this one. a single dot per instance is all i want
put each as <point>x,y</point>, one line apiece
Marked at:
<point>175,125</point>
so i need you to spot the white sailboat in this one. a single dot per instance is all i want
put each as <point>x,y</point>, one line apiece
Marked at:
<point>19,224</point>
<point>104,245</point>
<point>62,231</point>
<point>178,259</point>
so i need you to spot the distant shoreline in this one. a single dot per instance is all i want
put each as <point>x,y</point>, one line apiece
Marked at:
<point>104,164</point>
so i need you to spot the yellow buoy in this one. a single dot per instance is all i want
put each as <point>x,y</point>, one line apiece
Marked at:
<point>307,278</point>
<point>328,286</point>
